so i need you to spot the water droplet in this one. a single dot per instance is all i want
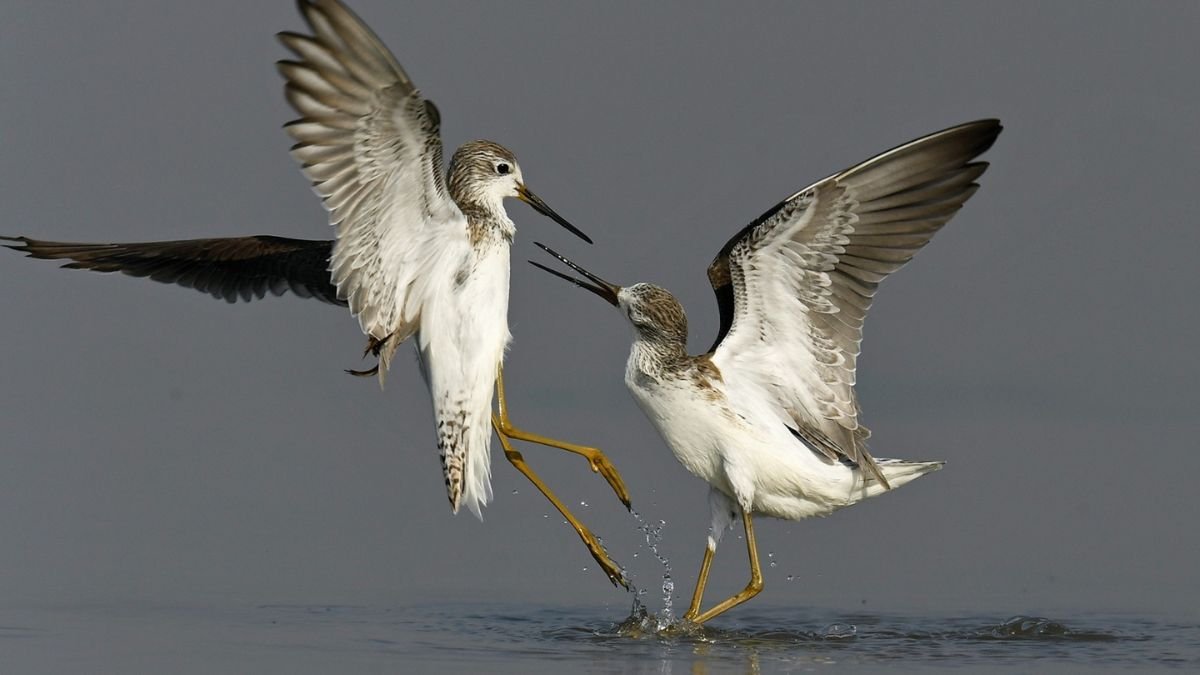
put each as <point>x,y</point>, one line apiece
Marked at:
<point>545,515</point>
<point>653,536</point>
<point>773,563</point>
<point>770,554</point>
<point>515,492</point>
<point>791,577</point>
<point>584,569</point>
<point>635,554</point>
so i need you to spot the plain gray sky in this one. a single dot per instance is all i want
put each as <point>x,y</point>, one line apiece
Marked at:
<point>161,447</point>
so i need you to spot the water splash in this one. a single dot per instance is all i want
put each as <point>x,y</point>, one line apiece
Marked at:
<point>1028,626</point>
<point>839,631</point>
<point>653,536</point>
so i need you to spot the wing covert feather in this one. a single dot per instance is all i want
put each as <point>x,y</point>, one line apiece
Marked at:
<point>370,144</point>
<point>795,285</point>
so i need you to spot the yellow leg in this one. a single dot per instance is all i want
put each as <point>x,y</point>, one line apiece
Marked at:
<point>752,589</point>
<point>701,582</point>
<point>518,461</point>
<point>599,463</point>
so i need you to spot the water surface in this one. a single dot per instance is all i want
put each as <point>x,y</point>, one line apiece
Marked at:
<point>511,638</point>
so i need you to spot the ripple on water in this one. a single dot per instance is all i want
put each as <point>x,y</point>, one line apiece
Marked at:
<point>955,641</point>
<point>519,637</point>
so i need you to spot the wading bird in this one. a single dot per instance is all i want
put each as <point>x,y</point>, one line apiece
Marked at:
<point>416,252</point>
<point>768,417</point>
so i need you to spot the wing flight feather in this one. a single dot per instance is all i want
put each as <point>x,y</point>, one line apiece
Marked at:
<point>232,268</point>
<point>794,286</point>
<point>370,144</point>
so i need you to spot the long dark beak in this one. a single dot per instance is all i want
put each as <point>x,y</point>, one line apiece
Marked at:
<point>598,286</point>
<point>527,196</point>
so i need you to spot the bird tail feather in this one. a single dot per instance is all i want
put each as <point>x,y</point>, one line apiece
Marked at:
<point>897,472</point>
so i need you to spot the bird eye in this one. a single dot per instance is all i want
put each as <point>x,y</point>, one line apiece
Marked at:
<point>503,169</point>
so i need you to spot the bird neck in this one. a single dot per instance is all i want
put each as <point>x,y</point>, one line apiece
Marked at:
<point>656,354</point>
<point>487,221</point>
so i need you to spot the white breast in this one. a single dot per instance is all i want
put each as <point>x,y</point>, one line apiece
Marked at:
<point>684,419</point>
<point>471,311</point>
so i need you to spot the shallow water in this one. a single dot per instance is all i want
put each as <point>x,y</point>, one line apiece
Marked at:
<point>520,639</point>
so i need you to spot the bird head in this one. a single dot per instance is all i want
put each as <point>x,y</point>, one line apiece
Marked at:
<point>655,314</point>
<point>487,173</point>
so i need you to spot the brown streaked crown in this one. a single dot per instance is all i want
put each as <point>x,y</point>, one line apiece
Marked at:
<point>472,165</point>
<point>656,313</point>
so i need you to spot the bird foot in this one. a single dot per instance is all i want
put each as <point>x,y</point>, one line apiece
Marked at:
<point>601,465</point>
<point>374,347</point>
<point>615,574</point>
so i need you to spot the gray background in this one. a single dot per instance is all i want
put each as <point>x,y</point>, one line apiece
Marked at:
<point>161,447</point>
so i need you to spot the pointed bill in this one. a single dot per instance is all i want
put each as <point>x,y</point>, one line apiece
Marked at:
<point>526,195</point>
<point>600,287</point>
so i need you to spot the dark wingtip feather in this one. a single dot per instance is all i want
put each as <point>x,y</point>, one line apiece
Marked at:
<point>22,245</point>
<point>226,268</point>
<point>287,36</point>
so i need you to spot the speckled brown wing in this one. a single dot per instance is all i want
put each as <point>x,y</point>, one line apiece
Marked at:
<point>795,285</point>
<point>233,268</point>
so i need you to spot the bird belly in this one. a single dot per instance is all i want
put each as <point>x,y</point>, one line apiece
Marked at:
<point>745,453</point>
<point>789,479</point>
<point>464,332</point>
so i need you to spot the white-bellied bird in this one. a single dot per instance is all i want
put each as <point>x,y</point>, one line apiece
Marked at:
<point>768,417</point>
<point>417,252</point>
